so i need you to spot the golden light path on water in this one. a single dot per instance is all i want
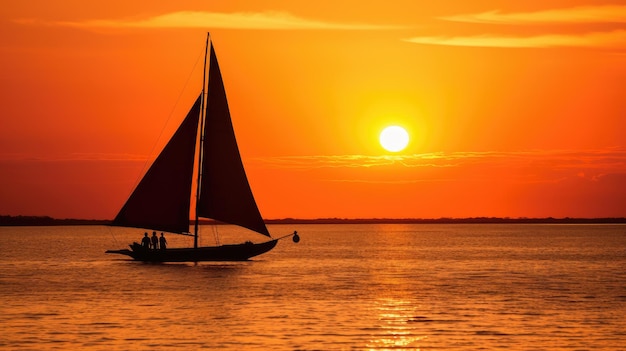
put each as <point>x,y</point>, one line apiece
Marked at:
<point>395,317</point>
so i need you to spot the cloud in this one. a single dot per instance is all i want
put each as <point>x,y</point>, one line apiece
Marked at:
<point>614,39</point>
<point>73,157</point>
<point>213,20</point>
<point>611,158</point>
<point>520,167</point>
<point>356,161</point>
<point>607,14</point>
<point>584,14</point>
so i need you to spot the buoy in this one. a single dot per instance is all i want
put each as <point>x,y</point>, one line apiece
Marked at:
<point>296,237</point>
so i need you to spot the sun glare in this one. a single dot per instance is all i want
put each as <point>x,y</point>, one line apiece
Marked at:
<point>394,138</point>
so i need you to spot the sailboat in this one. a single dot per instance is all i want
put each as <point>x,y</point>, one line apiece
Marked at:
<point>162,199</point>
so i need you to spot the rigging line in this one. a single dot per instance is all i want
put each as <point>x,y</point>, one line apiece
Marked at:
<point>115,242</point>
<point>288,235</point>
<point>180,94</point>
<point>176,102</point>
<point>216,234</point>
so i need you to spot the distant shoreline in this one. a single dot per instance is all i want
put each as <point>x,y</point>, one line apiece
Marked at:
<point>49,221</point>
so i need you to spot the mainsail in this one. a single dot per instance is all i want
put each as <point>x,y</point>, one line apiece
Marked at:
<point>225,193</point>
<point>161,201</point>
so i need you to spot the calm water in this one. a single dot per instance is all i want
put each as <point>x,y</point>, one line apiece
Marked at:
<point>343,287</point>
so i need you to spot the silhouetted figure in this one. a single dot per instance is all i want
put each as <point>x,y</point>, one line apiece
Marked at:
<point>145,242</point>
<point>155,241</point>
<point>162,242</point>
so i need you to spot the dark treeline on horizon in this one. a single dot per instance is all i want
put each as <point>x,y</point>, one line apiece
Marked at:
<point>49,221</point>
<point>46,221</point>
<point>444,220</point>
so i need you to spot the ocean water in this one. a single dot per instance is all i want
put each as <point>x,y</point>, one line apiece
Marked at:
<point>343,287</point>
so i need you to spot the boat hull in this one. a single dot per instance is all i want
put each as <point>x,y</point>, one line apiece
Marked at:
<point>235,252</point>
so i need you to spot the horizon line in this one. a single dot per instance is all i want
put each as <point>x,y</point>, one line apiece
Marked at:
<point>25,220</point>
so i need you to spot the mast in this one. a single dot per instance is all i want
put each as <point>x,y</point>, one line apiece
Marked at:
<point>202,117</point>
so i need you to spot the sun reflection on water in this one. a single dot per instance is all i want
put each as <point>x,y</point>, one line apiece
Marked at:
<point>396,330</point>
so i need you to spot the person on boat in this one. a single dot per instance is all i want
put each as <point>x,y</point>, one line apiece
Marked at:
<point>155,241</point>
<point>145,242</point>
<point>162,242</point>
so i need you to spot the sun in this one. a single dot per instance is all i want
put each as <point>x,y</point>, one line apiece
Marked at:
<point>394,138</point>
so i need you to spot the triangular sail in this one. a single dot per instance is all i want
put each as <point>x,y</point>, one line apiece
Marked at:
<point>161,200</point>
<point>225,193</point>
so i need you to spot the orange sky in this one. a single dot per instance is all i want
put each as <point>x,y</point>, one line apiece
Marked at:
<point>514,108</point>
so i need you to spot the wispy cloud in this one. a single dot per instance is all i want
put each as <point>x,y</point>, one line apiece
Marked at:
<point>520,167</point>
<point>584,14</point>
<point>607,158</point>
<point>606,15</point>
<point>528,167</point>
<point>614,39</point>
<point>211,20</point>
<point>614,158</point>
<point>73,157</point>
<point>350,161</point>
